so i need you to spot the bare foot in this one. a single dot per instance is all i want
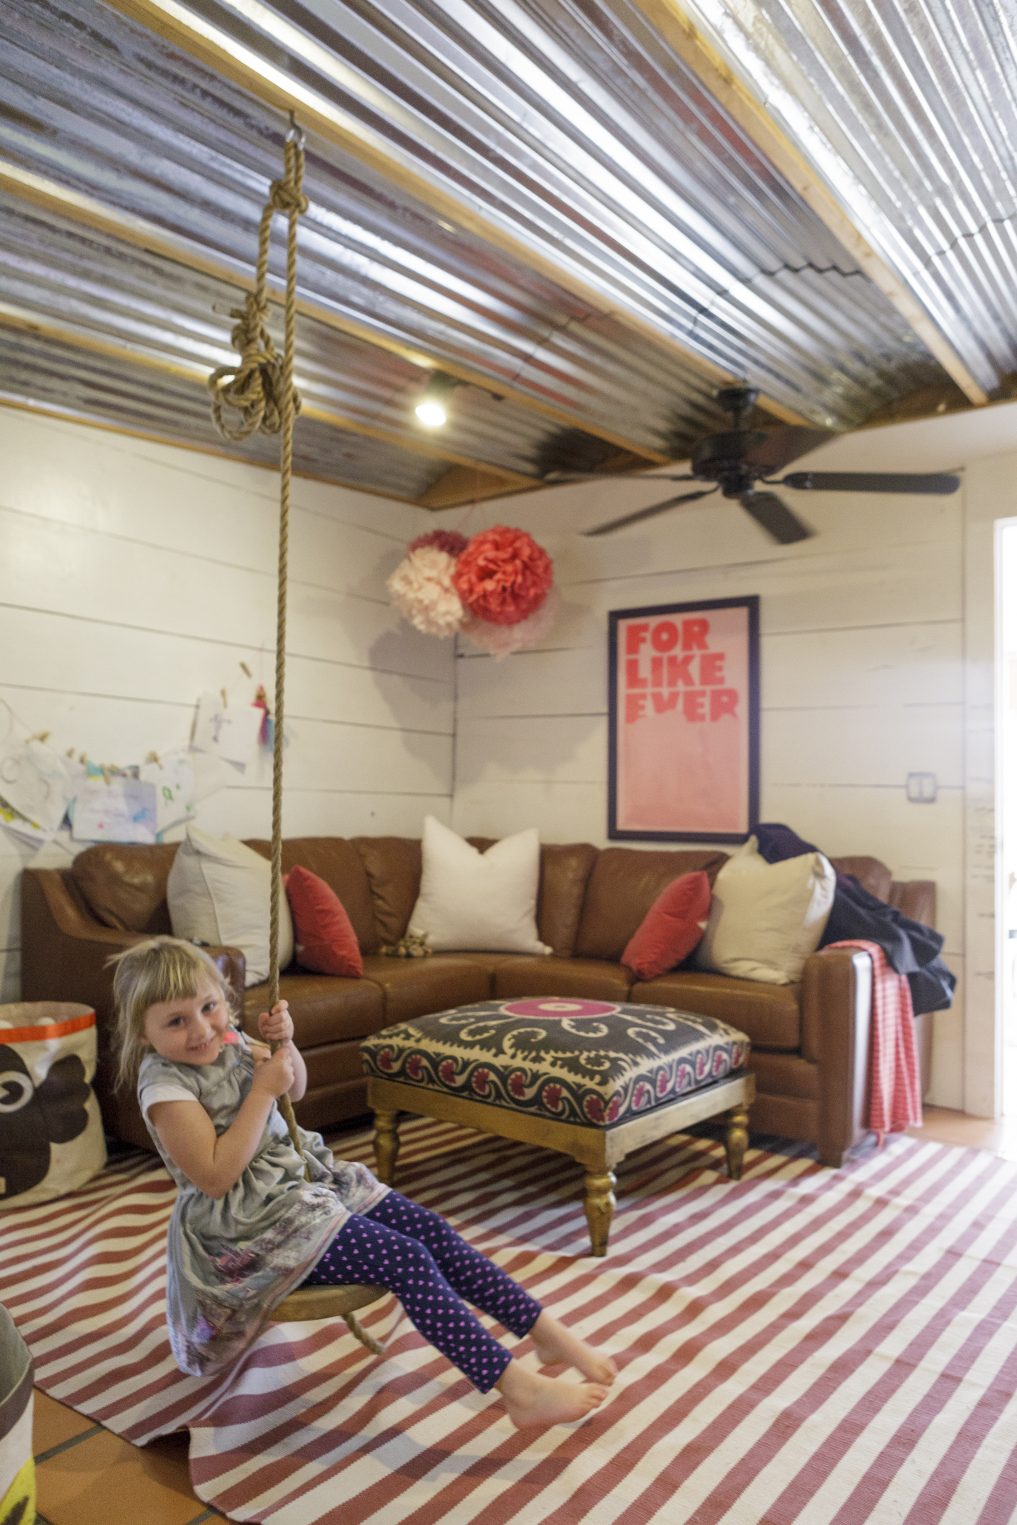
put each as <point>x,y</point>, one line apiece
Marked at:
<point>558,1346</point>
<point>533,1400</point>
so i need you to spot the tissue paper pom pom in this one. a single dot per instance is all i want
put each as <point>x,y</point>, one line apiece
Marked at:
<point>421,589</point>
<point>445,540</point>
<point>500,641</point>
<point>503,575</point>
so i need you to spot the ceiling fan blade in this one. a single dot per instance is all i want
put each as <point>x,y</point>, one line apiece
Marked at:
<point>872,481</point>
<point>770,450</point>
<point>648,513</point>
<point>774,516</point>
<point>552,478</point>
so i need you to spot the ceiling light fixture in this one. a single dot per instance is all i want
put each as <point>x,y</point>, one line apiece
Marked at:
<point>432,408</point>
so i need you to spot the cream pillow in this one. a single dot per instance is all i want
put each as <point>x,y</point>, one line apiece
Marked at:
<point>474,900</point>
<point>766,918</point>
<point>218,892</point>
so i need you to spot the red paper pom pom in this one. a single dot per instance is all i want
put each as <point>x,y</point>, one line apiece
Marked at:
<point>449,541</point>
<point>503,575</point>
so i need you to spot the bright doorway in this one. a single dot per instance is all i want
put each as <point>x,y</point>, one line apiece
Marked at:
<point>1006,801</point>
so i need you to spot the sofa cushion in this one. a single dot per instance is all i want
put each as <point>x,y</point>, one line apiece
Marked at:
<point>565,870</point>
<point>218,891</point>
<point>124,884</point>
<point>392,866</point>
<point>337,861</point>
<point>594,978</point>
<point>324,1010</point>
<point>670,929</point>
<point>766,918</point>
<point>414,986</point>
<point>622,887</point>
<point>769,1015</point>
<point>325,940</point>
<point>469,899</point>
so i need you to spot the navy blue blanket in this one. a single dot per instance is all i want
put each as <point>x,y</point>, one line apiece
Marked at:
<point>911,949</point>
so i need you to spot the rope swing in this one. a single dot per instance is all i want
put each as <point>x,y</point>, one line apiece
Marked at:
<point>258,395</point>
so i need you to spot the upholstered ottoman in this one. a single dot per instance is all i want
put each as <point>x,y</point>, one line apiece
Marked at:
<point>593,1079</point>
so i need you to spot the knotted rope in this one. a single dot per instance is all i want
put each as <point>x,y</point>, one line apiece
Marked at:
<point>258,389</point>
<point>262,393</point>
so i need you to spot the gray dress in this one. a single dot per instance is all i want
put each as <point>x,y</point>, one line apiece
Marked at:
<point>231,1259</point>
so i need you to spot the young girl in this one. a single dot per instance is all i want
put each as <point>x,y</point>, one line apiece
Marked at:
<point>248,1226</point>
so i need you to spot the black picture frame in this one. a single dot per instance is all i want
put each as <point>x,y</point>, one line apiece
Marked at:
<point>683,721</point>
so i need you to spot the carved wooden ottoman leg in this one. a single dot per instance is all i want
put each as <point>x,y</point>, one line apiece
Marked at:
<point>386,1144</point>
<point>599,1203</point>
<point>736,1140</point>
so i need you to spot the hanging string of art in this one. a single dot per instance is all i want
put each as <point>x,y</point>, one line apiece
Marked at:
<point>44,791</point>
<point>495,588</point>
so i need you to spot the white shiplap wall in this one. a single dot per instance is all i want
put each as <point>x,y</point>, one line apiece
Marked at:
<point>864,677</point>
<point>134,576</point>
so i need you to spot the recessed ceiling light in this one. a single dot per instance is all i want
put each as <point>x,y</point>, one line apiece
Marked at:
<point>431,409</point>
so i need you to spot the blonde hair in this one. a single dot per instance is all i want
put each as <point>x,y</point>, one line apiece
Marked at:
<point>160,969</point>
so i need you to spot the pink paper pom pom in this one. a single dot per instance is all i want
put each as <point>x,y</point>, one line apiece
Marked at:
<point>500,641</point>
<point>503,575</point>
<point>444,540</point>
<point>421,589</point>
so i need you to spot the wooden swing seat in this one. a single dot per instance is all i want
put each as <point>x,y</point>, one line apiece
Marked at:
<point>330,1302</point>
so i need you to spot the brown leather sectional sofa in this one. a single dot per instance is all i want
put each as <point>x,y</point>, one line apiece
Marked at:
<point>809,1041</point>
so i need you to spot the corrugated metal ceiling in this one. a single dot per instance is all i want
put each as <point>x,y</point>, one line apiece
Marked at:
<point>590,212</point>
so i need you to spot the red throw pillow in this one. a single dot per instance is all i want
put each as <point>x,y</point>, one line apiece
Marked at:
<point>324,935</point>
<point>671,927</point>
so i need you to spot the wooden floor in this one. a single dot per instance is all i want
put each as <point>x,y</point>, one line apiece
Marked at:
<point>81,1467</point>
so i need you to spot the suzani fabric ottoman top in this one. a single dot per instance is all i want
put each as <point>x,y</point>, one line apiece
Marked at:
<point>594,1063</point>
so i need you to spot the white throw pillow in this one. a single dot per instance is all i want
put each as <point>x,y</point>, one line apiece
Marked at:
<point>218,892</point>
<point>474,900</point>
<point>766,918</point>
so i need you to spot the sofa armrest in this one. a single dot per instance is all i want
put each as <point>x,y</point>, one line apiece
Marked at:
<point>65,955</point>
<point>915,898</point>
<point>836,1004</point>
<point>64,951</point>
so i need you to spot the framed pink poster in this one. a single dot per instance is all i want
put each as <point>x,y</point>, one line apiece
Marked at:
<point>683,715</point>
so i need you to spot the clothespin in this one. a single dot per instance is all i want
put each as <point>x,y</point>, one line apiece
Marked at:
<point>225,701</point>
<point>260,701</point>
<point>40,736</point>
<point>246,670</point>
<point>153,757</point>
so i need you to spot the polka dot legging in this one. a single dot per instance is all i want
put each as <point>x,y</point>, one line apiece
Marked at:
<point>418,1256</point>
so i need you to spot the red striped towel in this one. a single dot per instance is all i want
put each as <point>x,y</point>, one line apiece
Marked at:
<point>895,1091</point>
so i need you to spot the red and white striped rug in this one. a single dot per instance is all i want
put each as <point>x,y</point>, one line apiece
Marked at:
<point>803,1345</point>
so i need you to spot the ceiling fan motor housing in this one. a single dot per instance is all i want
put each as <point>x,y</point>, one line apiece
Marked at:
<point>738,401</point>
<point>721,458</point>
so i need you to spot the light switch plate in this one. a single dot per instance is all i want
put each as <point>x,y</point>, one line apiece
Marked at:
<point>922,788</point>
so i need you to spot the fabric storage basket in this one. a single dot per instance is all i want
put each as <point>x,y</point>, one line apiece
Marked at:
<point>17,1469</point>
<point>51,1138</point>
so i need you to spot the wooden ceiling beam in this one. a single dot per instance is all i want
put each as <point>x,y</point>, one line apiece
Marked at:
<point>458,486</point>
<point>687,42</point>
<point>269,83</point>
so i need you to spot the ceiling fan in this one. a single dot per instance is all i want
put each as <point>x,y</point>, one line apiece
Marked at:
<point>735,461</point>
